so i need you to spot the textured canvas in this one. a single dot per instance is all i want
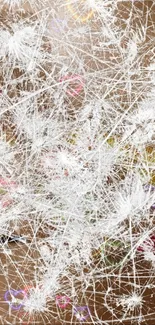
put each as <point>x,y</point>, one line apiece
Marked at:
<point>77,162</point>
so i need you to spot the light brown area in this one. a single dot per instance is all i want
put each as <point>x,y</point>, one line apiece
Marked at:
<point>22,260</point>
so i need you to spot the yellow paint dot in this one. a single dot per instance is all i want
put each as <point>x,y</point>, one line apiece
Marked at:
<point>83,18</point>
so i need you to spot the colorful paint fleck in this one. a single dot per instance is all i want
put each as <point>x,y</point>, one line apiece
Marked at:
<point>5,185</point>
<point>74,78</point>
<point>148,245</point>
<point>62,301</point>
<point>109,249</point>
<point>81,313</point>
<point>79,17</point>
<point>16,301</point>
<point>58,24</point>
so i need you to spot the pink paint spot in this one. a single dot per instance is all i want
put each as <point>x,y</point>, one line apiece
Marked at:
<point>62,301</point>
<point>148,244</point>
<point>66,172</point>
<point>7,182</point>
<point>6,185</point>
<point>27,288</point>
<point>74,78</point>
<point>6,203</point>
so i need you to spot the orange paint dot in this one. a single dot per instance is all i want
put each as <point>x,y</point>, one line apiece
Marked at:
<point>83,18</point>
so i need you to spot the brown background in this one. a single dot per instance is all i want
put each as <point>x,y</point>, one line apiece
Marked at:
<point>17,269</point>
